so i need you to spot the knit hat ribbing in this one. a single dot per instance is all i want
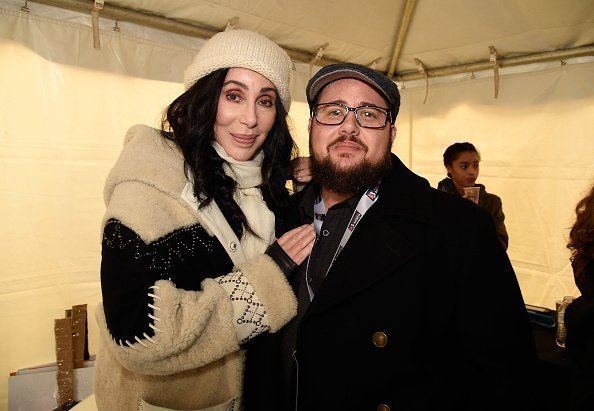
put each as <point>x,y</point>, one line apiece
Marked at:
<point>332,72</point>
<point>245,49</point>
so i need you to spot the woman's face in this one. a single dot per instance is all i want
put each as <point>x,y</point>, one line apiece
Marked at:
<point>464,170</point>
<point>245,113</point>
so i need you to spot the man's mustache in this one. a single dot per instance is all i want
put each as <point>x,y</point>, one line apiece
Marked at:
<point>342,138</point>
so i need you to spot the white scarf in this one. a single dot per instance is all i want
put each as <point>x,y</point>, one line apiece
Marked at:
<point>248,196</point>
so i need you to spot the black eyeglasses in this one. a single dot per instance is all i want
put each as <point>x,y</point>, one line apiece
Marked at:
<point>333,114</point>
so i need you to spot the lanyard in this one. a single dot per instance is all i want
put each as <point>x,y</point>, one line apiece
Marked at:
<point>367,200</point>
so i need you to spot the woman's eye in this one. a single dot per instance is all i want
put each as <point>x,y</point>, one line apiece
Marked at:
<point>266,102</point>
<point>232,96</point>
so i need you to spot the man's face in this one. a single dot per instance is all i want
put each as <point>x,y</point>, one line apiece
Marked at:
<point>348,145</point>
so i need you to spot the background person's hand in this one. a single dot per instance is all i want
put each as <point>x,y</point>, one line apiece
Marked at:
<point>301,169</point>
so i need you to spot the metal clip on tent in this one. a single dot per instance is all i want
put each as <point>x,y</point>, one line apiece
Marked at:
<point>373,64</point>
<point>318,57</point>
<point>493,60</point>
<point>97,7</point>
<point>423,71</point>
<point>232,24</point>
<point>25,8</point>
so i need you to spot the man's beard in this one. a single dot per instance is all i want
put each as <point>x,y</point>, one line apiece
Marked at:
<point>352,179</point>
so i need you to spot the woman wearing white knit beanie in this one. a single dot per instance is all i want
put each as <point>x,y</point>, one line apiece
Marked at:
<point>190,267</point>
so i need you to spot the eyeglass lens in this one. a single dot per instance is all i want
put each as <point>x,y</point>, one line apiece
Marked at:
<point>366,116</point>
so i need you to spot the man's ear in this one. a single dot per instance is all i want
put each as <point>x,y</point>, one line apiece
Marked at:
<point>392,134</point>
<point>309,126</point>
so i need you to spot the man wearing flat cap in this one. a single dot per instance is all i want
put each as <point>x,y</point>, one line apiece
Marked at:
<point>408,301</point>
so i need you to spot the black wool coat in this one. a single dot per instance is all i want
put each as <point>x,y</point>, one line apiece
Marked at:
<point>420,311</point>
<point>490,202</point>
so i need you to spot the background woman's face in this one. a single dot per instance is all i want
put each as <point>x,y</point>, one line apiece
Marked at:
<point>245,113</point>
<point>464,170</point>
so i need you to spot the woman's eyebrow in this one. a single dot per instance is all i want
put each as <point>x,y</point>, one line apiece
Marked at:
<point>245,86</point>
<point>238,83</point>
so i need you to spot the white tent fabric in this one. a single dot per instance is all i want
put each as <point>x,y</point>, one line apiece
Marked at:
<point>65,107</point>
<point>440,33</point>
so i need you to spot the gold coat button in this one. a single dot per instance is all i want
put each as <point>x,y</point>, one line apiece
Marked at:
<point>380,340</point>
<point>383,407</point>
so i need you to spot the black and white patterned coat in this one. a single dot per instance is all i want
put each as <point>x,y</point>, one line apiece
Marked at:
<point>175,307</point>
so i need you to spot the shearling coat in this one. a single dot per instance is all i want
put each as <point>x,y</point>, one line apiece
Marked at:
<point>172,298</point>
<point>420,311</point>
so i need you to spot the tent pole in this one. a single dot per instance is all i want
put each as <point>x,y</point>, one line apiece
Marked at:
<point>503,62</point>
<point>162,23</point>
<point>132,16</point>
<point>402,30</point>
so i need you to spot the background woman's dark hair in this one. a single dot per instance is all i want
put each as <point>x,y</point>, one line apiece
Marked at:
<point>189,122</point>
<point>581,237</point>
<point>454,151</point>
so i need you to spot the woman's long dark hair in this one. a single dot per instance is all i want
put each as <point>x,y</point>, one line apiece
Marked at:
<point>581,239</point>
<point>189,122</point>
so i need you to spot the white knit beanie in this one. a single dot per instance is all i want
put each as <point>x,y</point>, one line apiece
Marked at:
<point>245,49</point>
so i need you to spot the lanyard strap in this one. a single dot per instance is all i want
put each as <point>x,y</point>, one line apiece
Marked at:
<point>367,200</point>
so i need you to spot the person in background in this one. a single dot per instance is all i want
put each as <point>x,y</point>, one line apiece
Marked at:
<point>461,161</point>
<point>407,300</point>
<point>579,315</point>
<point>188,271</point>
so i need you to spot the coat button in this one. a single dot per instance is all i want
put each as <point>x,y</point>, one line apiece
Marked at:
<point>233,246</point>
<point>383,407</point>
<point>380,340</point>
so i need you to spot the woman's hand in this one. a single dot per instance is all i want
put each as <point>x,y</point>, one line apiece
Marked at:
<point>301,169</point>
<point>298,242</point>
